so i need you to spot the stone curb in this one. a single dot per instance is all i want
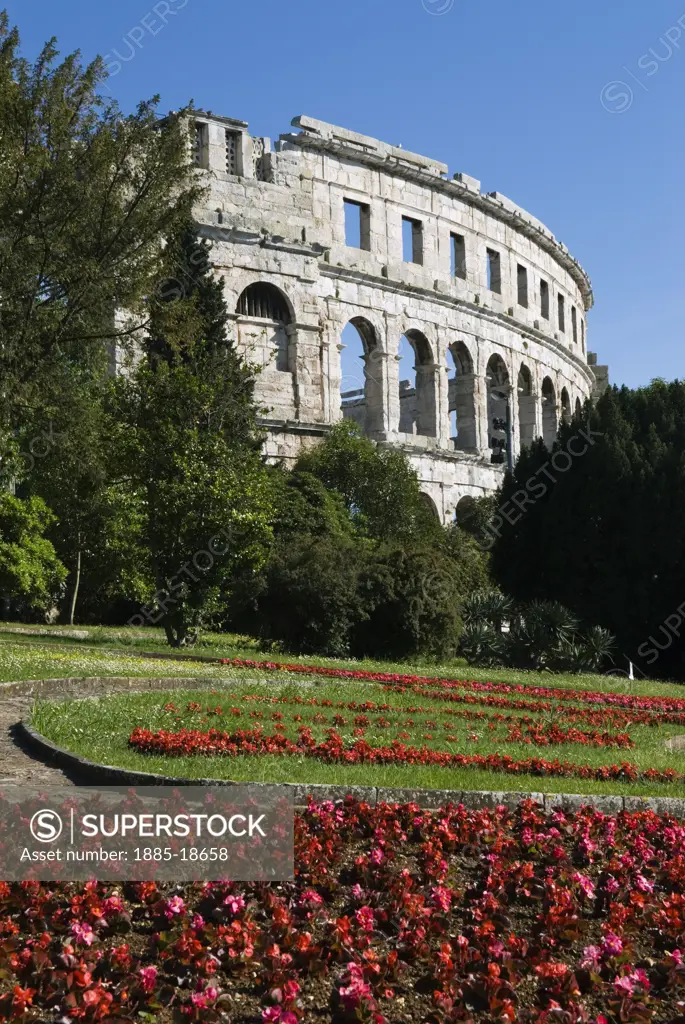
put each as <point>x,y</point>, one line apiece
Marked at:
<point>373,795</point>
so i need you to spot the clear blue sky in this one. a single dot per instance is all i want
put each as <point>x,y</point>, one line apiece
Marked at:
<point>510,93</point>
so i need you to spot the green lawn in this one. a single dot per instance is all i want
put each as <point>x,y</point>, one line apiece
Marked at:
<point>118,651</point>
<point>78,726</point>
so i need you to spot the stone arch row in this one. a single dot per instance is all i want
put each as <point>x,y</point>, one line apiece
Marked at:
<point>364,384</point>
<point>417,406</point>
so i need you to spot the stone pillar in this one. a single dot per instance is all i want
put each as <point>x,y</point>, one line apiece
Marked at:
<point>480,401</point>
<point>444,385</point>
<point>306,347</point>
<point>515,422</point>
<point>464,390</point>
<point>332,373</point>
<point>389,362</point>
<point>537,398</point>
<point>427,399</point>
<point>529,406</point>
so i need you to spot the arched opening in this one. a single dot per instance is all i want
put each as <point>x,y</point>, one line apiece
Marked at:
<point>579,409</point>
<point>526,407</point>
<point>430,505</point>
<point>565,406</point>
<point>462,403</point>
<point>499,396</point>
<point>417,394</point>
<point>266,305</point>
<point>464,514</point>
<point>360,384</point>
<point>549,412</point>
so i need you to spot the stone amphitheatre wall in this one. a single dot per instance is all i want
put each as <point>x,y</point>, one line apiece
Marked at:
<point>330,228</point>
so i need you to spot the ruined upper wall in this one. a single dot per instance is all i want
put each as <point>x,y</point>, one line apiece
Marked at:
<point>295,193</point>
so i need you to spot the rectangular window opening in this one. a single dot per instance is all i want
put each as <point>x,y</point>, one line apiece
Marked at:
<point>494,271</point>
<point>544,299</point>
<point>458,256</point>
<point>200,145</point>
<point>562,313</point>
<point>357,225</point>
<point>522,282</point>
<point>574,324</point>
<point>412,240</point>
<point>582,332</point>
<point>232,142</point>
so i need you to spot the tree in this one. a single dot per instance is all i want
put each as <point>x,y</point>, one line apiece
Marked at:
<point>30,572</point>
<point>377,484</point>
<point>65,461</point>
<point>187,438</point>
<point>87,196</point>
<point>602,536</point>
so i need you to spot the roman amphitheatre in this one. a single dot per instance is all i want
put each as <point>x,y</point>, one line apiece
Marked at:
<point>369,284</point>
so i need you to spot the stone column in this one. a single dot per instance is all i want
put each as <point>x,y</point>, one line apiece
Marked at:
<point>332,374</point>
<point>306,347</point>
<point>389,363</point>
<point>427,399</point>
<point>482,424</point>
<point>465,406</point>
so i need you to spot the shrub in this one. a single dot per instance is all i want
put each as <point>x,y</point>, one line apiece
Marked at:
<point>541,635</point>
<point>412,605</point>
<point>310,601</point>
<point>31,575</point>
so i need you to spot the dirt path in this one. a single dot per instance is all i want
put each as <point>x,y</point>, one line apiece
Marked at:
<point>16,764</point>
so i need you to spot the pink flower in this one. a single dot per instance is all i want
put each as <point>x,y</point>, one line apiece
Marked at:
<point>365,918</point>
<point>234,903</point>
<point>197,922</point>
<point>174,906</point>
<point>83,932</point>
<point>585,884</point>
<point>591,957</point>
<point>612,945</point>
<point>148,978</point>
<point>643,884</point>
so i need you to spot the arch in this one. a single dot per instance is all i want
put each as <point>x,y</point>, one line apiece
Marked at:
<point>549,412</point>
<point>579,409</point>
<point>265,302</point>
<point>565,406</point>
<point>361,390</point>
<point>465,511</point>
<point>430,505</point>
<point>499,396</point>
<point>526,404</point>
<point>461,397</point>
<point>417,390</point>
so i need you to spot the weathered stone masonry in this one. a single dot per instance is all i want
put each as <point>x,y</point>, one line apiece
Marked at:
<point>492,304</point>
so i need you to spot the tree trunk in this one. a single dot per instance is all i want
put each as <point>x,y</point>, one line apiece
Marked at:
<point>77,582</point>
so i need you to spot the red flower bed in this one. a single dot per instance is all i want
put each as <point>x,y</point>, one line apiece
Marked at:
<point>410,681</point>
<point>249,742</point>
<point>396,916</point>
<point>522,728</point>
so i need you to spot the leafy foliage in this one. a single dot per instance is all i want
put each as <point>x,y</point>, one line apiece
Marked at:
<point>31,575</point>
<point>187,441</point>
<point>87,196</point>
<point>540,635</point>
<point>603,539</point>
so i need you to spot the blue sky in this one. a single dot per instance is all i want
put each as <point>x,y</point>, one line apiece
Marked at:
<point>522,95</point>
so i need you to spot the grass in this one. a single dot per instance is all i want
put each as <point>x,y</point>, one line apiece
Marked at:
<point>108,651</point>
<point>78,726</point>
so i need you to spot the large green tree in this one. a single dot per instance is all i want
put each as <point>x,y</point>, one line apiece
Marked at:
<point>188,441</point>
<point>594,523</point>
<point>377,484</point>
<point>31,575</point>
<point>87,197</point>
